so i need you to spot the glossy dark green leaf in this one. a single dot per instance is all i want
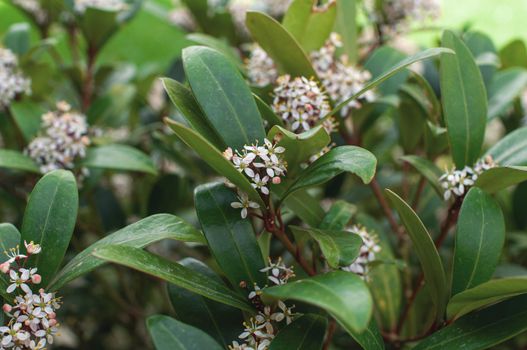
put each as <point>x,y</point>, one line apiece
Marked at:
<point>9,239</point>
<point>279,44</point>
<point>189,108</point>
<point>267,113</point>
<point>231,239</point>
<point>214,158</point>
<point>505,87</point>
<point>483,49</point>
<point>171,272</point>
<point>224,97</point>
<point>340,248</point>
<point>347,27</point>
<point>309,23</point>
<point>305,333</point>
<point>98,25</point>
<point>499,178</point>
<point>428,170</point>
<point>344,295</point>
<point>49,220</point>
<point>138,235</point>
<point>424,247</point>
<point>464,101</point>
<point>412,121</point>
<point>485,294</point>
<point>17,38</point>
<point>218,45</point>
<point>27,116</point>
<point>305,206</point>
<point>512,149</point>
<point>423,55</point>
<point>380,61</point>
<point>479,240</point>
<point>15,160</point>
<point>119,158</point>
<point>514,54</point>
<point>170,334</point>
<point>338,216</point>
<point>341,159</point>
<point>222,322</point>
<point>483,329</point>
<point>369,339</point>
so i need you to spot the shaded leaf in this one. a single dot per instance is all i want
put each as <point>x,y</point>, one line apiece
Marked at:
<point>9,239</point>
<point>267,113</point>
<point>347,27</point>
<point>499,178</point>
<point>512,149</point>
<point>15,160</point>
<point>506,86</point>
<point>338,216</point>
<point>119,158</point>
<point>305,333</point>
<point>428,170</point>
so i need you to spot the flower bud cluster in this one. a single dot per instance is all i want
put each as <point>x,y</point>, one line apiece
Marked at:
<point>32,316</point>
<point>12,82</point>
<point>261,69</point>
<point>368,250</point>
<point>65,139</point>
<point>397,15</point>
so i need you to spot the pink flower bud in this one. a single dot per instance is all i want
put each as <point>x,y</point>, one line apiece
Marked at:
<point>53,322</point>
<point>36,278</point>
<point>7,308</point>
<point>5,267</point>
<point>276,180</point>
<point>52,316</point>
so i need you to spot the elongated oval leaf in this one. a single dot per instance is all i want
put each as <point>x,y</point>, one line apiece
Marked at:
<point>138,235</point>
<point>305,206</point>
<point>344,295</point>
<point>381,60</point>
<point>340,248</point>
<point>267,113</point>
<point>512,149</point>
<point>231,239</point>
<point>49,220</point>
<point>347,11</point>
<point>120,158</point>
<point>428,170</point>
<point>505,87</point>
<point>189,108</point>
<point>171,272</point>
<point>280,45</point>
<point>341,159</point>
<point>464,101</point>
<point>485,294</point>
<point>214,158</point>
<point>9,239</point>
<point>220,321</point>
<point>430,53</point>
<point>499,178</point>
<point>15,160</point>
<point>305,333</point>
<point>338,216</point>
<point>170,334</point>
<point>479,240</point>
<point>218,45</point>
<point>483,329</point>
<point>224,96</point>
<point>426,251</point>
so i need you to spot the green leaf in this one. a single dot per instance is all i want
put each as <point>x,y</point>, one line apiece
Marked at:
<point>305,206</point>
<point>187,105</point>
<point>224,97</point>
<point>423,55</point>
<point>482,48</point>
<point>98,25</point>
<point>340,248</point>
<point>505,87</point>
<point>17,38</point>
<point>479,241</point>
<point>499,178</point>
<point>299,147</point>
<point>267,113</point>
<point>27,116</point>
<point>512,149</point>
<point>231,239</point>
<point>170,334</point>
<point>9,238</point>
<point>220,321</point>
<point>171,272</point>
<point>381,60</point>
<point>49,220</point>
<point>280,45</point>
<point>514,54</point>
<point>341,159</point>
<point>485,294</point>
<point>370,339</point>
<point>411,120</point>
<point>15,160</point>
<point>119,158</point>
<point>483,329</point>
<point>426,251</point>
<point>344,295</point>
<point>305,333</point>
<point>138,235</point>
<point>338,216</point>
<point>218,45</point>
<point>347,27</point>
<point>428,170</point>
<point>214,158</point>
<point>464,101</point>
<point>309,23</point>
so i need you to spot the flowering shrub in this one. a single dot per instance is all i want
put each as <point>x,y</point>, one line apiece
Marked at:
<point>335,187</point>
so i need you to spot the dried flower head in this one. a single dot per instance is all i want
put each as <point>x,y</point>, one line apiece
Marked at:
<point>260,67</point>
<point>12,82</point>
<point>368,250</point>
<point>300,102</point>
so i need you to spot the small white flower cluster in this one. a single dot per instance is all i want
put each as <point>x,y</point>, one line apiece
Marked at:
<point>340,79</point>
<point>457,182</point>
<point>399,14</point>
<point>261,69</point>
<point>238,10</point>
<point>369,248</point>
<point>34,8</point>
<point>65,139</point>
<point>300,102</point>
<point>32,316</point>
<point>12,82</point>
<point>106,5</point>
<point>261,330</point>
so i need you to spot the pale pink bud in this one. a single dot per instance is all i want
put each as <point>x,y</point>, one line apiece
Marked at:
<point>7,308</point>
<point>52,315</point>
<point>5,267</point>
<point>36,278</point>
<point>53,322</point>
<point>276,180</point>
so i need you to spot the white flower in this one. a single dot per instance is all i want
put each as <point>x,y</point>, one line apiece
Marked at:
<point>286,313</point>
<point>255,293</point>
<point>260,183</point>
<point>32,248</point>
<point>244,204</point>
<point>12,82</point>
<point>278,273</point>
<point>253,329</point>
<point>19,280</point>
<point>367,253</point>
